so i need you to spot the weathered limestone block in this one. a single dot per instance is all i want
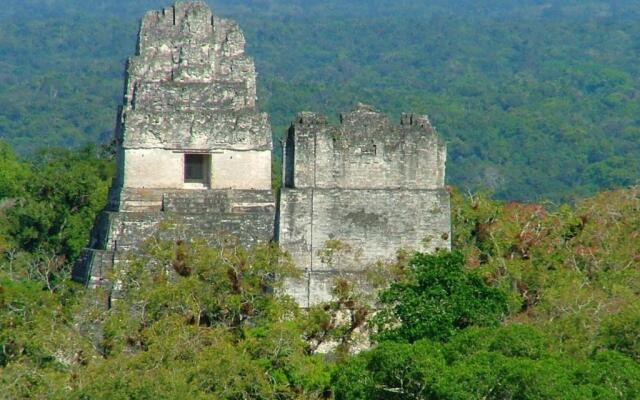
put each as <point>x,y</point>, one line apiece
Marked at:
<point>191,130</point>
<point>376,222</point>
<point>190,89</point>
<point>365,151</point>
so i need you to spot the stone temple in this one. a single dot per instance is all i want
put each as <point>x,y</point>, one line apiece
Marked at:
<point>367,183</point>
<point>193,149</point>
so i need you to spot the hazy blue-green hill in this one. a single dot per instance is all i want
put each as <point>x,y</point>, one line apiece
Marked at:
<point>536,99</point>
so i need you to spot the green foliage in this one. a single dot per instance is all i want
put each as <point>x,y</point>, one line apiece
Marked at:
<point>203,321</point>
<point>60,195</point>
<point>535,303</point>
<point>535,102</point>
<point>38,339</point>
<point>23,304</point>
<point>228,286</point>
<point>572,271</point>
<point>220,330</point>
<point>488,363</point>
<point>13,174</point>
<point>437,299</point>
<point>621,331</point>
<point>570,275</point>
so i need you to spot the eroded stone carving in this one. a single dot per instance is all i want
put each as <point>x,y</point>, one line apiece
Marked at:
<point>190,143</point>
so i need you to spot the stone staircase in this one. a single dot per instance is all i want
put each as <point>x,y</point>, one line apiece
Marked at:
<point>247,215</point>
<point>101,262</point>
<point>141,200</point>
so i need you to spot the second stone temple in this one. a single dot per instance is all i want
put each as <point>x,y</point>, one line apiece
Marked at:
<point>192,148</point>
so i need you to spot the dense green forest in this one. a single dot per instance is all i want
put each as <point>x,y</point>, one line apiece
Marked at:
<point>533,303</point>
<point>537,100</point>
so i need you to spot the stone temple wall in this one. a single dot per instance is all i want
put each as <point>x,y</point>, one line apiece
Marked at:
<point>366,183</point>
<point>365,152</point>
<point>190,93</point>
<point>190,90</point>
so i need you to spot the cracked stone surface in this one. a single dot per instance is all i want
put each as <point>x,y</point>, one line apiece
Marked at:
<point>191,85</point>
<point>372,185</point>
<point>190,89</point>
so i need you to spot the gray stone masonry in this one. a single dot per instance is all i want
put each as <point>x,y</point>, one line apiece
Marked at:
<point>210,214</point>
<point>191,86</point>
<point>190,89</point>
<point>190,94</point>
<point>372,185</point>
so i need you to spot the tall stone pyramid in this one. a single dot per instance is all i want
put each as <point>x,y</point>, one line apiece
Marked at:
<point>191,145</point>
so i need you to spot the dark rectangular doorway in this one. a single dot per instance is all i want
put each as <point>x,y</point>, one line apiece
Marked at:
<point>196,168</point>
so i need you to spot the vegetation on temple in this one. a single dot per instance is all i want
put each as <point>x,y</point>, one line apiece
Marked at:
<point>537,101</point>
<point>533,303</point>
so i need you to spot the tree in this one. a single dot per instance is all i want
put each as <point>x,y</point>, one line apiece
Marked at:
<point>437,299</point>
<point>64,192</point>
<point>511,362</point>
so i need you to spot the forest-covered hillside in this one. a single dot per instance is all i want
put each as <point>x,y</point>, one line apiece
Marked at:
<point>537,100</point>
<point>533,303</point>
